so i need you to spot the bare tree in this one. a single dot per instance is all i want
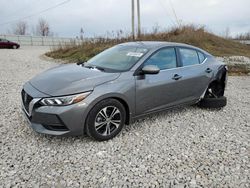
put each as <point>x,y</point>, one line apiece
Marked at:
<point>43,28</point>
<point>243,36</point>
<point>20,28</point>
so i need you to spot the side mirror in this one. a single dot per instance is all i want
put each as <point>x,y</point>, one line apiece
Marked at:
<point>150,69</point>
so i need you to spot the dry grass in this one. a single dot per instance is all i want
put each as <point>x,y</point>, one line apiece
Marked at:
<point>239,69</point>
<point>190,34</point>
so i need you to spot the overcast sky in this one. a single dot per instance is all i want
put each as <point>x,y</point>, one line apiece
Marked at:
<point>97,17</point>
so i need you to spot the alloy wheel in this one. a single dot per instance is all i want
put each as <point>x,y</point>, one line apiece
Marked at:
<point>107,120</point>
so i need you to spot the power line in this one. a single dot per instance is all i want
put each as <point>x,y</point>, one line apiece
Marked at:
<point>163,5</point>
<point>172,6</point>
<point>37,13</point>
<point>19,10</point>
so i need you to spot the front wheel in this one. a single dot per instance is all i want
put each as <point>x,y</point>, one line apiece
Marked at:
<point>106,120</point>
<point>14,47</point>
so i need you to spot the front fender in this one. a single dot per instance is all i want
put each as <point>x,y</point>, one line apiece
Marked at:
<point>122,89</point>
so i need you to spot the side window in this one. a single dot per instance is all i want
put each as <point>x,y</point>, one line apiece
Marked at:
<point>201,57</point>
<point>164,59</point>
<point>189,57</point>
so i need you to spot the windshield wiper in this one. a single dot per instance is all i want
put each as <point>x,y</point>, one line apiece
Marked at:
<point>100,68</point>
<point>80,62</point>
<point>94,67</point>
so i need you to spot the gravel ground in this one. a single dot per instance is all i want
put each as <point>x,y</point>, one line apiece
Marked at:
<point>185,147</point>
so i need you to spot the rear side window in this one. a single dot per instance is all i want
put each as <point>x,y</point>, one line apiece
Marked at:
<point>189,57</point>
<point>164,59</point>
<point>201,57</point>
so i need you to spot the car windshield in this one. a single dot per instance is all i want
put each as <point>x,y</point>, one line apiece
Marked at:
<point>118,58</point>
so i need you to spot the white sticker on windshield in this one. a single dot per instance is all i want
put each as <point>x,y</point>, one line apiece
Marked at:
<point>134,54</point>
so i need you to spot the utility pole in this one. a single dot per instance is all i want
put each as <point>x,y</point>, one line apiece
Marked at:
<point>133,19</point>
<point>139,18</point>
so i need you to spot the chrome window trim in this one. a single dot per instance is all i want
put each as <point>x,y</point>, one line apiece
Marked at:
<point>151,53</point>
<point>184,66</point>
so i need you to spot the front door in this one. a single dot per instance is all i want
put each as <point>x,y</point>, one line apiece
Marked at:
<point>161,90</point>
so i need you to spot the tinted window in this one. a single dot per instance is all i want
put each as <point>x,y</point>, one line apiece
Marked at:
<point>189,57</point>
<point>201,57</point>
<point>164,59</point>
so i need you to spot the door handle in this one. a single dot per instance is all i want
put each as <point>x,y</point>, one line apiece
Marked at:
<point>208,70</point>
<point>176,77</point>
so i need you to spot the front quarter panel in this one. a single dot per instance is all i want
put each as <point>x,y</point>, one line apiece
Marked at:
<point>122,88</point>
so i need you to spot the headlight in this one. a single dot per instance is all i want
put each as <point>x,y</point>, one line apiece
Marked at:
<point>63,101</point>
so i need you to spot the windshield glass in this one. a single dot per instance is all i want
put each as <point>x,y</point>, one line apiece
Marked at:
<point>117,58</point>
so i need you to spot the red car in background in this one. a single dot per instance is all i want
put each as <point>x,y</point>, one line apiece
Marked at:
<point>8,44</point>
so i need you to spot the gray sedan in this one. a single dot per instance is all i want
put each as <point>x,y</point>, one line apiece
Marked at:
<point>121,84</point>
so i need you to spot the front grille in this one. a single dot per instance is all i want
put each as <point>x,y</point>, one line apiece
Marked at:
<point>26,98</point>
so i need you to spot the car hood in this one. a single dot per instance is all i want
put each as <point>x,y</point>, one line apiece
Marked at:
<point>70,79</point>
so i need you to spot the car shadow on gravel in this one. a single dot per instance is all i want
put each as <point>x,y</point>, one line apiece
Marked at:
<point>139,123</point>
<point>135,125</point>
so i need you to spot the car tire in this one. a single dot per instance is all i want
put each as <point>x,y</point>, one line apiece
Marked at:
<point>14,46</point>
<point>213,102</point>
<point>101,124</point>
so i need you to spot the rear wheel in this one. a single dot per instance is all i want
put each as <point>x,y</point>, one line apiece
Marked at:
<point>215,90</point>
<point>214,96</point>
<point>106,120</point>
<point>213,102</point>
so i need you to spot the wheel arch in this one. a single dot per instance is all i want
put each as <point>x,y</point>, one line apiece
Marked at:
<point>124,103</point>
<point>220,78</point>
<point>117,97</point>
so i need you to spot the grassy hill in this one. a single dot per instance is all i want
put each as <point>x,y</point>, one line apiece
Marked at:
<point>196,36</point>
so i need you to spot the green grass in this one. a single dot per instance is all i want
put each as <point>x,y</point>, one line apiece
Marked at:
<point>190,34</point>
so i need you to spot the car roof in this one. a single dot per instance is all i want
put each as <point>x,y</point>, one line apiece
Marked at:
<point>158,44</point>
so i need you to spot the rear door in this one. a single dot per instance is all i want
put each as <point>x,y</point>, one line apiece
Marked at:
<point>195,72</point>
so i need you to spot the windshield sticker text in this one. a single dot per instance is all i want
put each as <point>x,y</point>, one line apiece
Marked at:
<point>134,54</point>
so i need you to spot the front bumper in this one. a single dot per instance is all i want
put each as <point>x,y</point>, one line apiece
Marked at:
<point>54,120</point>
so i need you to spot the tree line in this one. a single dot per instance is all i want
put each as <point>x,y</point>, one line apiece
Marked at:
<point>243,36</point>
<point>22,28</point>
